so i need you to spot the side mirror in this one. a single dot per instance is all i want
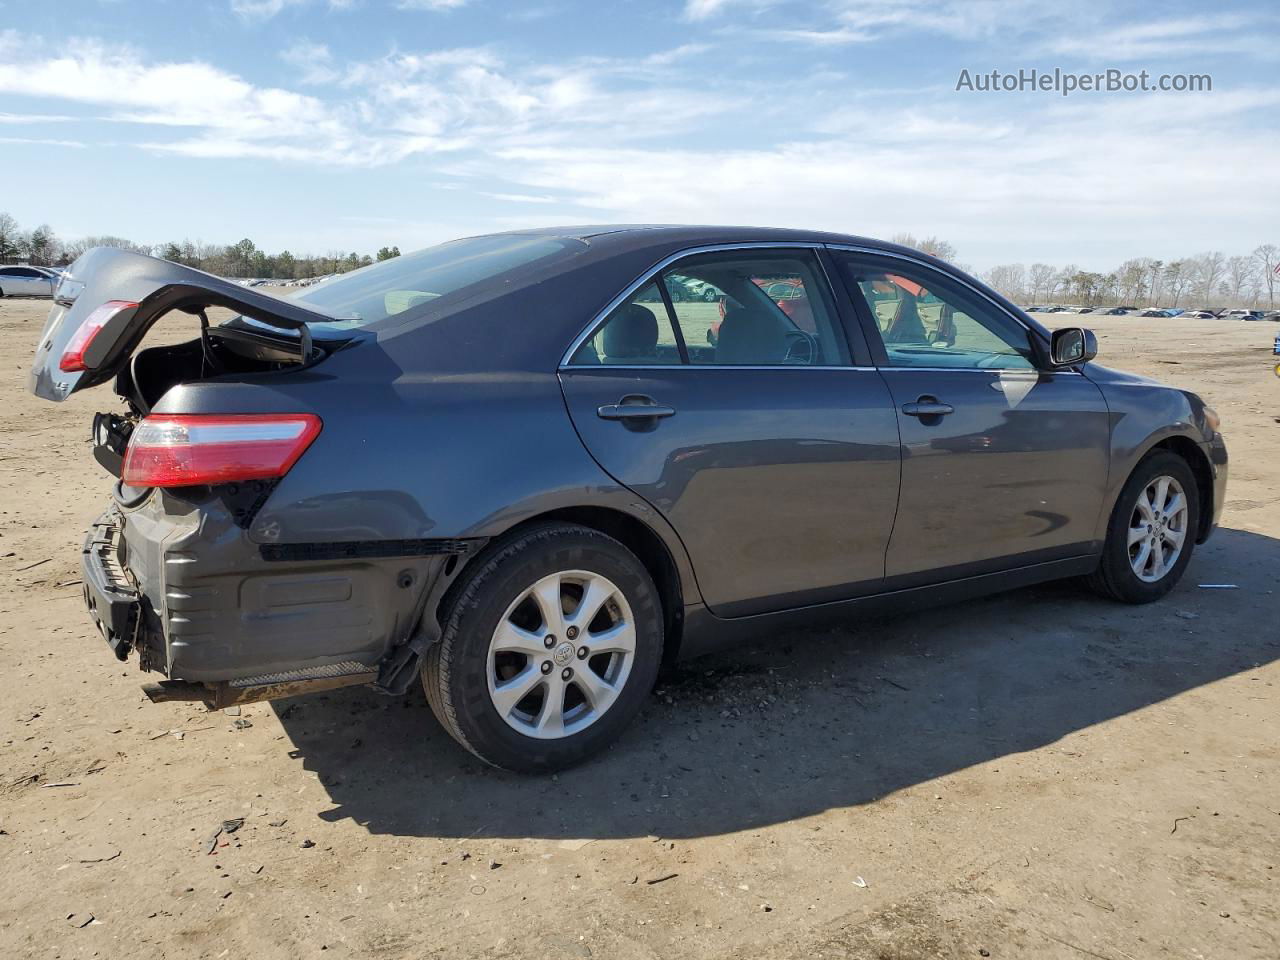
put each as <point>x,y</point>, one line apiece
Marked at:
<point>1072,345</point>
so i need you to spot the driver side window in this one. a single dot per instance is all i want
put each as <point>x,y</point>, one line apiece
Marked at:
<point>924,322</point>
<point>755,308</point>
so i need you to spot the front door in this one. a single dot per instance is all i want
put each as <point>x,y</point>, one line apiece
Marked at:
<point>1004,463</point>
<point>773,457</point>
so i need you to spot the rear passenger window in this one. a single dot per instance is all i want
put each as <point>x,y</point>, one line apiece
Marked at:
<point>755,308</point>
<point>636,333</point>
<point>737,308</point>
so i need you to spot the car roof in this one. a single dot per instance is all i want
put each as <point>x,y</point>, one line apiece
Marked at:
<point>638,235</point>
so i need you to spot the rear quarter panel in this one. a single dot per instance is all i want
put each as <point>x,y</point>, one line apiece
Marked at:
<point>407,455</point>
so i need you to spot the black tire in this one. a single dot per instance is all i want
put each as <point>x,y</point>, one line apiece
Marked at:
<point>455,672</point>
<point>1115,577</point>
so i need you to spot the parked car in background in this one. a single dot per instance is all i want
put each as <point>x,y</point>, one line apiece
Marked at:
<point>1243,315</point>
<point>1111,311</point>
<point>1274,316</point>
<point>24,281</point>
<point>1200,315</point>
<point>508,468</point>
<point>1174,311</point>
<point>1156,312</point>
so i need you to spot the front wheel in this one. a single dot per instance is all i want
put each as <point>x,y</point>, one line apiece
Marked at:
<point>1152,532</point>
<point>548,651</point>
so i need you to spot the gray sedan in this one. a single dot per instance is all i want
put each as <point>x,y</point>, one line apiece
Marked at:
<point>24,281</point>
<point>516,467</point>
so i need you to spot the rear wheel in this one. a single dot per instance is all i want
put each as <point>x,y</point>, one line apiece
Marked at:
<point>548,651</point>
<point>1152,532</point>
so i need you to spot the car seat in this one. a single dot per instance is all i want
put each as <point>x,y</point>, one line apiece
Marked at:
<point>750,336</point>
<point>630,336</point>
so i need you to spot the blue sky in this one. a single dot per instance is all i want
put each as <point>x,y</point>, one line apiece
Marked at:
<point>324,125</point>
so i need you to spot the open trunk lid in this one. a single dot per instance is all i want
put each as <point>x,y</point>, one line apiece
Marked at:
<point>109,298</point>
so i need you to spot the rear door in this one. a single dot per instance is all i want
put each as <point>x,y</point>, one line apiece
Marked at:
<point>773,453</point>
<point>1004,462</point>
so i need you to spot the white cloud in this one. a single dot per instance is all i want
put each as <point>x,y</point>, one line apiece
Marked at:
<point>1201,36</point>
<point>314,61</point>
<point>33,118</point>
<point>373,112</point>
<point>845,21</point>
<point>435,5</point>
<point>42,141</point>
<point>702,9</point>
<point>659,137</point>
<point>260,9</point>
<point>519,198</point>
<point>266,9</point>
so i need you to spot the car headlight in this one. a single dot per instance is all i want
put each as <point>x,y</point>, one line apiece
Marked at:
<point>1211,418</point>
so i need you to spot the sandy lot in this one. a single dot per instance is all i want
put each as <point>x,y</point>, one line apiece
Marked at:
<point>1041,774</point>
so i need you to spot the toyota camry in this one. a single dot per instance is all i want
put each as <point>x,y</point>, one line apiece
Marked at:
<point>518,469</point>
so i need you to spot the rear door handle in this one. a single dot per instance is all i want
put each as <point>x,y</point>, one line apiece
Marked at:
<point>635,407</point>
<point>927,407</point>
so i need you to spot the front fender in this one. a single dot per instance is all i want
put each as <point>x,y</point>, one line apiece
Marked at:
<point>1144,414</point>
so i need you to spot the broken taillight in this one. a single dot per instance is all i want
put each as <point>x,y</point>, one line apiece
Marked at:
<point>73,356</point>
<point>185,450</point>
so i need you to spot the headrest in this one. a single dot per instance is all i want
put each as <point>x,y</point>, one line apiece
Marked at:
<point>632,331</point>
<point>750,336</point>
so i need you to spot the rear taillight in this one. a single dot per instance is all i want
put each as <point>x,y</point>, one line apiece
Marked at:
<point>193,449</point>
<point>73,356</point>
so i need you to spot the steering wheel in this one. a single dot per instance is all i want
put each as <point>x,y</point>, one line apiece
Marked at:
<point>801,348</point>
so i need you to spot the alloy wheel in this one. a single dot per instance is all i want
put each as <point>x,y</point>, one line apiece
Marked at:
<point>561,654</point>
<point>1157,529</point>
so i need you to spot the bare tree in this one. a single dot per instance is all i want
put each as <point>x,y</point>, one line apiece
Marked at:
<point>1176,279</point>
<point>1131,280</point>
<point>1239,270</point>
<point>930,245</point>
<point>77,247</point>
<point>1041,279</point>
<point>1267,257</point>
<point>1010,279</point>
<point>1209,269</point>
<point>1062,280</point>
<point>10,234</point>
<point>1156,268</point>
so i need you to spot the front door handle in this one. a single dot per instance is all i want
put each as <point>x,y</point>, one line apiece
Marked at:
<point>927,407</point>
<point>635,407</point>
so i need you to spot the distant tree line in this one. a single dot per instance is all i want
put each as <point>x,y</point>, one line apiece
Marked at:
<point>42,247</point>
<point>1207,280</point>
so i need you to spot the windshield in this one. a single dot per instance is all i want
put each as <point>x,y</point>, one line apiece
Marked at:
<point>397,286</point>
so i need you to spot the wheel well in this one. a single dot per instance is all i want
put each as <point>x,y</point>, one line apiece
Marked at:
<point>637,537</point>
<point>1190,451</point>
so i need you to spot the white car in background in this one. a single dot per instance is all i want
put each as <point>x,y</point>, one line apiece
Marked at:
<point>23,281</point>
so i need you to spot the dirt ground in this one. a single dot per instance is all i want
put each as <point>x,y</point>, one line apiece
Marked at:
<point>1040,774</point>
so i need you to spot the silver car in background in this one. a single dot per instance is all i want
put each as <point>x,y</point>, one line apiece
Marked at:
<point>24,281</point>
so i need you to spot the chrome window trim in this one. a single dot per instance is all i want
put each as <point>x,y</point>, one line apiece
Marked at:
<point>708,366</point>
<point>649,276</point>
<point>993,371</point>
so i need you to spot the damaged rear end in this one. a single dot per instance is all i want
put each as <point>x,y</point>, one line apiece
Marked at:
<point>181,569</point>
